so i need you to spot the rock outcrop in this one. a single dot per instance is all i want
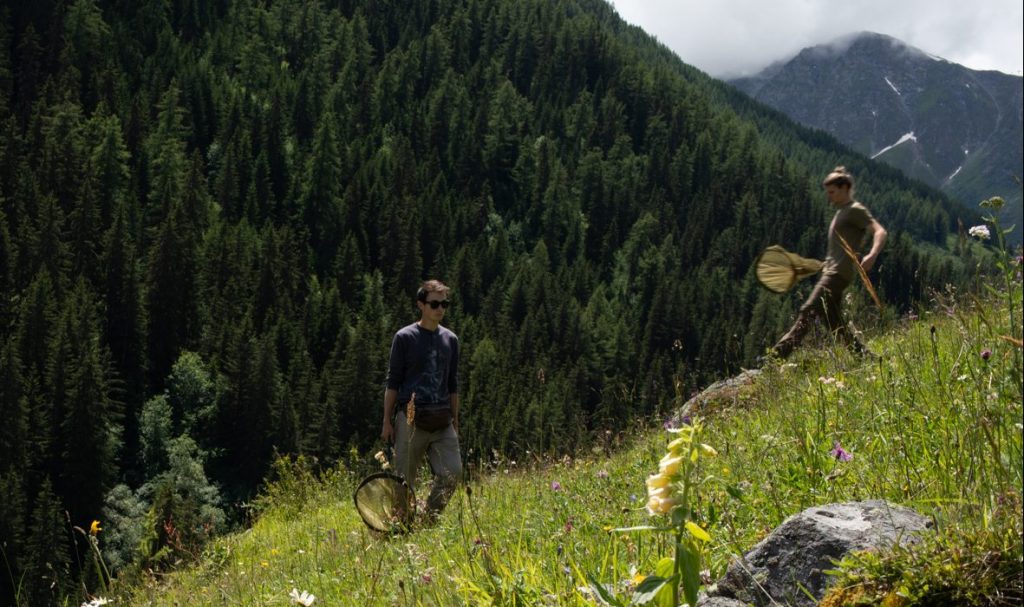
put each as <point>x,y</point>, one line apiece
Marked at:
<point>787,567</point>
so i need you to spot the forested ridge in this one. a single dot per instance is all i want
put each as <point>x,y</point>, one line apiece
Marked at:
<point>214,215</point>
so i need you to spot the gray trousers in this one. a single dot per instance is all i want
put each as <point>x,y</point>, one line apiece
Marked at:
<point>442,451</point>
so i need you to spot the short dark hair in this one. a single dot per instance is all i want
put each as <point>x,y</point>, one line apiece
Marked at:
<point>431,286</point>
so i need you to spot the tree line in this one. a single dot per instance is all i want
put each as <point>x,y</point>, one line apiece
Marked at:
<point>214,215</point>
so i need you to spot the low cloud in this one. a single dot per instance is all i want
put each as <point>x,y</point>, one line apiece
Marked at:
<point>740,37</point>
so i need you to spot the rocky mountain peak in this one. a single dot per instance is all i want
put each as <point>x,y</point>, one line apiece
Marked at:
<point>952,127</point>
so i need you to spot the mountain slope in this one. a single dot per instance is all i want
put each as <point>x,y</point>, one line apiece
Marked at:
<point>213,216</point>
<point>952,127</point>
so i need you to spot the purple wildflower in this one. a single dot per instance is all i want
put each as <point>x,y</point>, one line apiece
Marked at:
<point>839,453</point>
<point>556,486</point>
<point>986,354</point>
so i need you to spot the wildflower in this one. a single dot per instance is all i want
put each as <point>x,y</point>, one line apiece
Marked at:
<point>707,450</point>
<point>980,232</point>
<point>669,464</point>
<point>96,602</point>
<point>306,599</point>
<point>986,354</point>
<point>568,525</point>
<point>659,505</point>
<point>602,474</point>
<point>832,381</point>
<point>94,529</point>
<point>382,459</point>
<point>839,453</point>
<point>996,202</point>
<point>556,486</point>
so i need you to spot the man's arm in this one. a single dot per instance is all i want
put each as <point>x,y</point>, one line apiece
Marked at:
<point>878,236</point>
<point>388,431</point>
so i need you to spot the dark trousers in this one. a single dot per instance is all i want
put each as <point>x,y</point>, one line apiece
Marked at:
<point>823,305</point>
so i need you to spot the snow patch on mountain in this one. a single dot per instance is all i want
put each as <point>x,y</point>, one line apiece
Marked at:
<point>907,137</point>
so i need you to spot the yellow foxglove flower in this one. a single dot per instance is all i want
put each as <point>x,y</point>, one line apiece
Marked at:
<point>657,481</point>
<point>669,465</point>
<point>656,505</point>
<point>678,443</point>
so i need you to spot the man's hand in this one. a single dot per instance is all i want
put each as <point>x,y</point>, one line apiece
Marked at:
<point>878,238</point>
<point>388,432</point>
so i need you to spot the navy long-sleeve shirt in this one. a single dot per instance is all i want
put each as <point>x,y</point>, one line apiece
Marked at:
<point>425,362</point>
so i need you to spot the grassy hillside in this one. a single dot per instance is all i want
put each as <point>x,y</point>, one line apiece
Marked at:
<point>934,424</point>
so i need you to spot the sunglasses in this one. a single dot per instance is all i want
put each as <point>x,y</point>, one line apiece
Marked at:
<point>435,303</point>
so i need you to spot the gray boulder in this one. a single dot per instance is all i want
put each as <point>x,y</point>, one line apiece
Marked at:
<point>789,564</point>
<point>716,397</point>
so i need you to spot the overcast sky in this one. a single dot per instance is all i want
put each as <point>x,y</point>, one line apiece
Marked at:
<point>740,37</point>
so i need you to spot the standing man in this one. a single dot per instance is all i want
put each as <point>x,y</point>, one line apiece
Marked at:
<point>851,222</point>
<point>423,369</point>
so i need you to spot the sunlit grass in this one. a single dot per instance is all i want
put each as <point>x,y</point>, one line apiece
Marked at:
<point>934,424</point>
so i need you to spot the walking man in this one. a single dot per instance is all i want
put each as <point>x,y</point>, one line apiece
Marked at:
<point>423,370</point>
<point>851,222</point>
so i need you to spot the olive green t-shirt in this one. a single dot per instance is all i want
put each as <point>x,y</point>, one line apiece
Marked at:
<point>851,222</point>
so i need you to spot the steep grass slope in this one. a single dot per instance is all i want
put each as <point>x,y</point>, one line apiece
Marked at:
<point>934,424</point>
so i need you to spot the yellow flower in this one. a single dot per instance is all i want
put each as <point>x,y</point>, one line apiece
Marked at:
<point>669,465</point>
<point>94,528</point>
<point>657,481</point>
<point>657,505</point>
<point>678,443</point>
<point>708,450</point>
<point>660,492</point>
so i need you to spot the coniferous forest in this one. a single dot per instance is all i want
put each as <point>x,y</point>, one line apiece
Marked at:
<point>214,215</point>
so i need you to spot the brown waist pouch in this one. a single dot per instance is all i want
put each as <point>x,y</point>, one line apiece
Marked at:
<point>432,419</point>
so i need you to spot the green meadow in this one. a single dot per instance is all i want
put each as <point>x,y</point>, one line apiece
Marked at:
<point>934,424</point>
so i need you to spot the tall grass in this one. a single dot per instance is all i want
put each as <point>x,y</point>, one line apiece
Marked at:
<point>935,423</point>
